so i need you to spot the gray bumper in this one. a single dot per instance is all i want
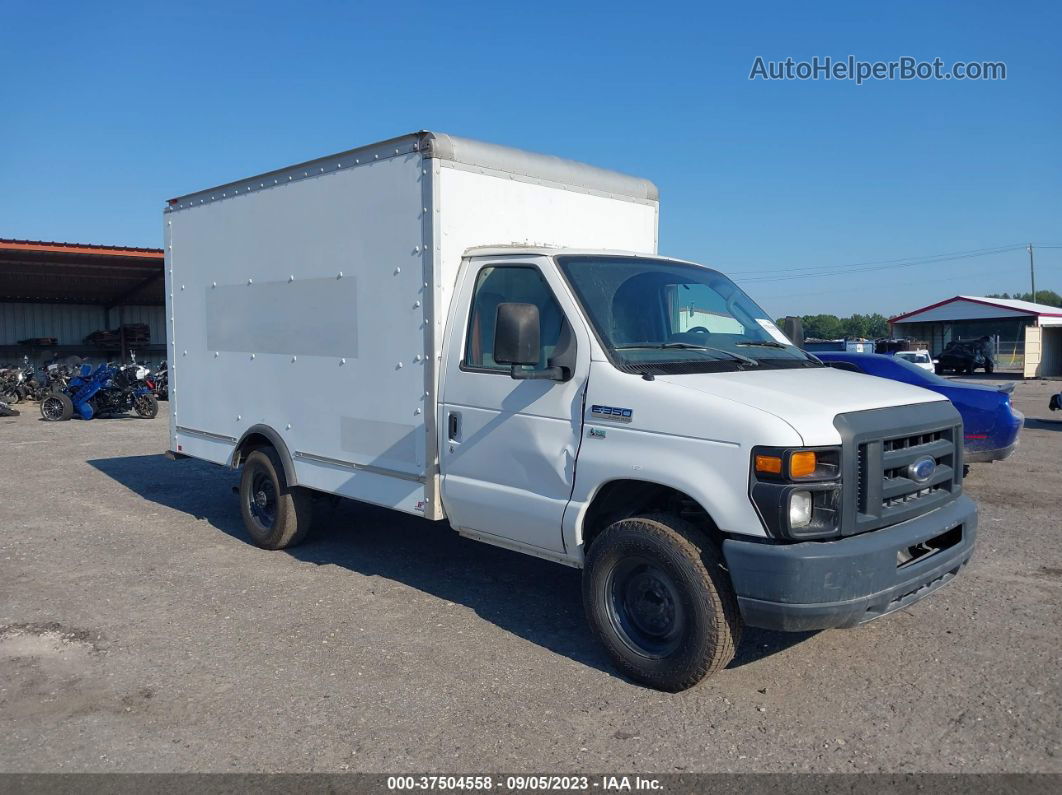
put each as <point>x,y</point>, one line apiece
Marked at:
<point>821,584</point>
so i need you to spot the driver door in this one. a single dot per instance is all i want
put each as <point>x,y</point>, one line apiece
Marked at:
<point>508,447</point>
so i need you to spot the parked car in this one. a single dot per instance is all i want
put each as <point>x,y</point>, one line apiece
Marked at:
<point>965,356</point>
<point>990,423</point>
<point>918,359</point>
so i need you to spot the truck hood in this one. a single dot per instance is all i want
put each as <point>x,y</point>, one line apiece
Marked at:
<point>806,399</point>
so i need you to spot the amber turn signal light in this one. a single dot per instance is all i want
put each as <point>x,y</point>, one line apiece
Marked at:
<point>769,464</point>
<point>801,465</point>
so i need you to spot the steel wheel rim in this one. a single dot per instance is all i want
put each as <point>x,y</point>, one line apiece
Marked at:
<point>52,408</point>
<point>645,608</point>
<point>262,500</point>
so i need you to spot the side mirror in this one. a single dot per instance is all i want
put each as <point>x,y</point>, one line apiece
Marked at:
<point>516,334</point>
<point>517,338</point>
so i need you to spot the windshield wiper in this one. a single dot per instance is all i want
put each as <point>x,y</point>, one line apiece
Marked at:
<point>689,346</point>
<point>763,344</point>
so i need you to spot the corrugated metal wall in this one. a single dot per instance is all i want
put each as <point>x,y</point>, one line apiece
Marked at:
<point>71,323</point>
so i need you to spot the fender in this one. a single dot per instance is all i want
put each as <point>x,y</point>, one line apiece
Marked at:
<point>270,435</point>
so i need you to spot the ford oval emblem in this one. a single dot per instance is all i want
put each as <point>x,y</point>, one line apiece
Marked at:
<point>922,470</point>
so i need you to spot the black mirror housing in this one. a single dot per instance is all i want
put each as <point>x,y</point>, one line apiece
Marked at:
<point>517,330</point>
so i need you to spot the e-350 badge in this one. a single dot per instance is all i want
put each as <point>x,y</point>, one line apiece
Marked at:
<point>611,413</point>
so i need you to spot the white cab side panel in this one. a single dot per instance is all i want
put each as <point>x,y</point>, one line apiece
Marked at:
<point>300,307</point>
<point>487,208</point>
<point>697,443</point>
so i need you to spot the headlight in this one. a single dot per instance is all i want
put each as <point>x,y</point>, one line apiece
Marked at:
<point>799,508</point>
<point>797,491</point>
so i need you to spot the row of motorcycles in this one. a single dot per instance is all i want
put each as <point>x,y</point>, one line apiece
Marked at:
<point>74,386</point>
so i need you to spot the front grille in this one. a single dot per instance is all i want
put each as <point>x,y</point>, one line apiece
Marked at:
<point>880,458</point>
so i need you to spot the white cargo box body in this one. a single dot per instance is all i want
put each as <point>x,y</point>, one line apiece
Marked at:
<point>310,302</point>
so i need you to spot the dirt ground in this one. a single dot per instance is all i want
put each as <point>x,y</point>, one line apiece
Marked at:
<point>141,631</point>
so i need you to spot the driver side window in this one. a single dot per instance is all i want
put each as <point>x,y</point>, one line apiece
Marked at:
<point>510,284</point>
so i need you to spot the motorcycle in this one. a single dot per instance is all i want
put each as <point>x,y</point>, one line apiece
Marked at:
<point>159,383</point>
<point>11,381</point>
<point>107,390</point>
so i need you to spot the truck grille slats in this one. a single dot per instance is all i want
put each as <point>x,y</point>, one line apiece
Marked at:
<point>885,489</point>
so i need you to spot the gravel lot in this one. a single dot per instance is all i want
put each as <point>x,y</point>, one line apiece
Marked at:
<point>140,631</point>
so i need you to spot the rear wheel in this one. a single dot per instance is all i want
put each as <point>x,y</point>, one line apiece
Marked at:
<point>658,599</point>
<point>57,407</point>
<point>10,397</point>
<point>989,367</point>
<point>146,406</point>
<point>275,514</point>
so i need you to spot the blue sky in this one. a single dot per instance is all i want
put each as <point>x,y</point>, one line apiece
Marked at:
<point>110,108</point>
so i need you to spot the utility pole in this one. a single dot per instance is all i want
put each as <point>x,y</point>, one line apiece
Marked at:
<point>1032,274</point>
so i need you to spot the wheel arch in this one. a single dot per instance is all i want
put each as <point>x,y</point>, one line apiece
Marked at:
<point>263,436</point>
<point>623,498</point>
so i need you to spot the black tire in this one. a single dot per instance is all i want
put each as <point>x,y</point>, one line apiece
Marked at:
<point>146,406</point>
<point>57,407</point>
<point>989,367</point>
<point>275,514</point>
<point>11,398</point>
<point>657,597</point>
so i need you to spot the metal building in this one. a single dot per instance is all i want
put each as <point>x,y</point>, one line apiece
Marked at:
<point>1026,335</point>
<point>61,299</point>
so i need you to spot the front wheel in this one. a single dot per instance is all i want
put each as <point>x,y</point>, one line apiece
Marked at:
<point>658,599</point>
<point>57,407</point>
<point>146,406</point>
<point>275,514</point>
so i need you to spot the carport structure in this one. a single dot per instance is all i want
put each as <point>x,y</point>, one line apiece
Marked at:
<point>66,291</point>
<point>1023,331</point>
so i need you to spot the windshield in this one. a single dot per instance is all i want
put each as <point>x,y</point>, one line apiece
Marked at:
<point>655,316</point>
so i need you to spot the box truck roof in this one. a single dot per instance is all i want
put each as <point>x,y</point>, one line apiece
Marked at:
<point>522,249</point>
<point>463,152</point>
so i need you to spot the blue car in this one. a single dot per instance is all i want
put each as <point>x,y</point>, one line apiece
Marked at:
<point>990,424</point>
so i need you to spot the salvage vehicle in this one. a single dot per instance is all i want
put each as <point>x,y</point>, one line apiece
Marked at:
<point>991,424</point>
<point>105,390</point>
<point>495,342</point>
<point>965,356</point>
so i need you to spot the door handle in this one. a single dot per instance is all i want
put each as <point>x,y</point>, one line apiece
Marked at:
<point>453,426</point>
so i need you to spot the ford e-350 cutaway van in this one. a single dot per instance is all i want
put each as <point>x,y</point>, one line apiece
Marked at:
<point>500,346</point>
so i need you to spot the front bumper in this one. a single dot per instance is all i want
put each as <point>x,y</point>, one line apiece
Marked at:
<point>821,584</point>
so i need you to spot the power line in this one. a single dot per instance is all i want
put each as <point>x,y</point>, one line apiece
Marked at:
<point>844,270</point>
<point>920,258</point>
<point>862,288</point>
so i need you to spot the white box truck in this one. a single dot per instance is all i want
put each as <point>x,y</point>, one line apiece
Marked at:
<point>482,335</point>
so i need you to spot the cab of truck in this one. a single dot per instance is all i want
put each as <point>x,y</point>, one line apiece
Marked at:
<point>643,418</point>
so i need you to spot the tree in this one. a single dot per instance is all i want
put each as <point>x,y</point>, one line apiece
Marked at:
<point>822,327</point>
<point>1048,297</point>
